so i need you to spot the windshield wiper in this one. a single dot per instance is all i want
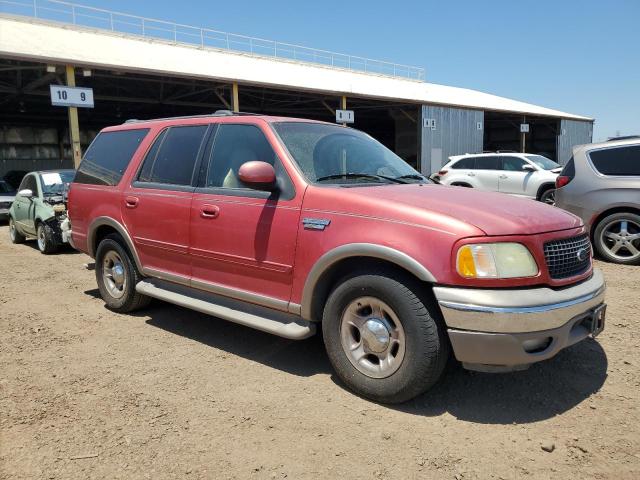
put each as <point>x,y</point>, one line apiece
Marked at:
<point>358,175</point>
<point>411,176</point>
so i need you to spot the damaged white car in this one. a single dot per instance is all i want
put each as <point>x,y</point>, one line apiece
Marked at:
<point>40,209</point>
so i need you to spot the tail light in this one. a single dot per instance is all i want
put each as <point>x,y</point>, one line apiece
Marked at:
<point>562,180</point>
<point>442,173</point>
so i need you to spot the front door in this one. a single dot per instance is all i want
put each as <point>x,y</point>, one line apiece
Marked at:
<point>156,206</point>
<point>25,208</point>
<point>243,240</point>
<point>487,170</point>
<point>513,179</point>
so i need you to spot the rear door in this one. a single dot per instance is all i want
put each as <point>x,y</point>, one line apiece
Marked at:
<point>156,206</point>
<point>486,172</point>
<point>243,240</point>
<point>513,179</point>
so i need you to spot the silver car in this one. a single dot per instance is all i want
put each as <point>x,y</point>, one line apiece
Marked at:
<point>7,194</point>
<point>601,184</point>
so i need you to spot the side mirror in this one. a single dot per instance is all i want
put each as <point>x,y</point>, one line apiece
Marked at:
<point>257,174</point>
<point>528,168</point>
<point>26,193</point>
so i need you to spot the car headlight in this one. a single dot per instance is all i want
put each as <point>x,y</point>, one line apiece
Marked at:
<point>495,260</point>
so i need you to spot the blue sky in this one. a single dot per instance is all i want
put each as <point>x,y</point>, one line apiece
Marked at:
<point>582,57</point>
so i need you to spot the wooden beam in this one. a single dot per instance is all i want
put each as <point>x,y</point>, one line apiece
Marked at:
<point>234,100</point>
<point>74,126</point>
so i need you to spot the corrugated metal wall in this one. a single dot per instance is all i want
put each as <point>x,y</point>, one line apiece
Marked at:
<point>572,133</point>
<point>456,131</point>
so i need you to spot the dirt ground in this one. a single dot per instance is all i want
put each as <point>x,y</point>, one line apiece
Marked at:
<point>170,393</point>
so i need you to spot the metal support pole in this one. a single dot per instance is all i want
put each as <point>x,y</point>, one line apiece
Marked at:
<point>235,103</point>
<point>523,137</point>
<point>74,126</point>
<point>343,105</point>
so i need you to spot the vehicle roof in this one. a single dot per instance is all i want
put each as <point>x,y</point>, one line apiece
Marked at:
<point>59,170</point>
<point>612,143</point>
<point>489,154</point>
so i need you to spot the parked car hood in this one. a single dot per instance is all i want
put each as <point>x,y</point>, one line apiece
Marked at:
<point>457,209</point>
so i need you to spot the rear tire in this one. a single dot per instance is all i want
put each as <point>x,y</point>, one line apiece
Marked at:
<point>46,239</point>
<point>617,238</point>
<point>385,342</point>
<point>117,276</point>
<point>14,234</point>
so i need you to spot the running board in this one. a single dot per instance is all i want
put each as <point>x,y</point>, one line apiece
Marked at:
<point>261,318</point>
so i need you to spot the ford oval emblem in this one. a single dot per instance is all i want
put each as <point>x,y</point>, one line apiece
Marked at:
<point>582,254</point>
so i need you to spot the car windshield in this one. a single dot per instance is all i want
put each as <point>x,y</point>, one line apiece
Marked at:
<point>332,154</point>
<point>54,183</point>
<point>5,187</point>
<point>543,162</point>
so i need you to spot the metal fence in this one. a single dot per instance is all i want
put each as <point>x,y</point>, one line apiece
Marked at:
<point>71,13</point>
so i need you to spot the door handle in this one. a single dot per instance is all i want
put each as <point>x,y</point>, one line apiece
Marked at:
<point>471,174</point>
<point>209,211</point>
<point>131,202</point>
<point>503,176</point>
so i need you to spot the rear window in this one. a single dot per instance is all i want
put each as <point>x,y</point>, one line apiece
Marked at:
<point>466,163</point>
<point>108,157</point>
<point>621,161</point>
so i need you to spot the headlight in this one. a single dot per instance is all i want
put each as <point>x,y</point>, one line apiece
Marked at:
<point>495,260</point>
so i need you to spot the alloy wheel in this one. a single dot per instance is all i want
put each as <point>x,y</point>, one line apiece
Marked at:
<point>114,274</point>
<point>372,337</point>
<point>621,238</point>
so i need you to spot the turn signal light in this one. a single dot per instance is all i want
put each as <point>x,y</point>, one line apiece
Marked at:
<point>442,173</point>
<point>562,180</point>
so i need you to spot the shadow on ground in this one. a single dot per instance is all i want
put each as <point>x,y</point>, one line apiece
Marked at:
<point>547,389</point>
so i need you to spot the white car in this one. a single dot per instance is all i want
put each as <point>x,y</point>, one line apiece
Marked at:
<point>521,174</point>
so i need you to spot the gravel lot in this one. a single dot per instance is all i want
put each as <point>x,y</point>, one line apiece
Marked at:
<point>170,393</point>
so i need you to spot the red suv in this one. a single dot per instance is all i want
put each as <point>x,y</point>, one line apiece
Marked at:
<point>283,225</point>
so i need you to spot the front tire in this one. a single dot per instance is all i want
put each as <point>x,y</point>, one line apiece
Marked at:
<point>548,196</point>
<point>117,276</point>
<point>383,339</point>
<point>617,238</point>
<point>46,239</point>
<point>14,234</point>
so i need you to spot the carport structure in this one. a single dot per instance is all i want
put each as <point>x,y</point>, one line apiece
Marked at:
<point>145,68</point>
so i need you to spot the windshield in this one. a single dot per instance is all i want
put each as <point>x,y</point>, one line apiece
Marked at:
<point>5,187</point>
<point>331,154</point>
<point>543,162</point>
<point>54,183</point>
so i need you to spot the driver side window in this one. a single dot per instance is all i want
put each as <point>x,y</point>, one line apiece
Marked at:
<point>512,164</point>
<point>235,145</point>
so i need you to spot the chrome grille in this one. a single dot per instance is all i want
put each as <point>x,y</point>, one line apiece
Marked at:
<point>568,257</point>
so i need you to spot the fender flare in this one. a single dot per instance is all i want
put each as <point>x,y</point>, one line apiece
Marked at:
<point>342,252</point>
<point>110,222</point>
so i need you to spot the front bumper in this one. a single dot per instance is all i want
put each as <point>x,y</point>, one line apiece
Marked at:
<point>512,328</point>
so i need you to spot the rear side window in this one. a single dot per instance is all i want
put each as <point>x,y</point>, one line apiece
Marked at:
<point>465,163</point>
<point>172,158</point>
<point>108,157</point>
<point>488,163</point>
<point>569,169</point>
<point>621,161</point>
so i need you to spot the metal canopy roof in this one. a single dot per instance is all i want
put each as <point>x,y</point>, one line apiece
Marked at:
<point>45,41</point>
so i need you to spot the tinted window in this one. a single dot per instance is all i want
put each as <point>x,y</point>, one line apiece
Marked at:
<point>466,163</point>
<point>488,163</point>
<point>5,187</point>
<point>176,156</point>
<point>31,183</point>
<point>513,164</point>
<point>617,161</point>
<point>108,157</point>
<point>150,157</point>
<point>569,169</point>
<point>233,146</point>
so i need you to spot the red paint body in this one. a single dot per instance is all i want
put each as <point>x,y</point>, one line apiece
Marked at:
<point>260,246</point>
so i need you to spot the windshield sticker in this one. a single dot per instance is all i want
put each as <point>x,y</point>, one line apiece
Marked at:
<point>51,178</point>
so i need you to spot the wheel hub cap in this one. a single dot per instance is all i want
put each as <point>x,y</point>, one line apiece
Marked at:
<point>375,336</point>
<point>118,274</point>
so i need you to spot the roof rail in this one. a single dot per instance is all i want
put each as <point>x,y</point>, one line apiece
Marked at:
<point>217,113</point>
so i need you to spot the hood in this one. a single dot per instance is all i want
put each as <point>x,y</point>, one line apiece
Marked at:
<point>456,209</point>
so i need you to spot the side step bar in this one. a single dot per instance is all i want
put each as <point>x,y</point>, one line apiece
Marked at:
<point>261,318</point>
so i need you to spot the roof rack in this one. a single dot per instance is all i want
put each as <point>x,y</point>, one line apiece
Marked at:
<point>217,113</point>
